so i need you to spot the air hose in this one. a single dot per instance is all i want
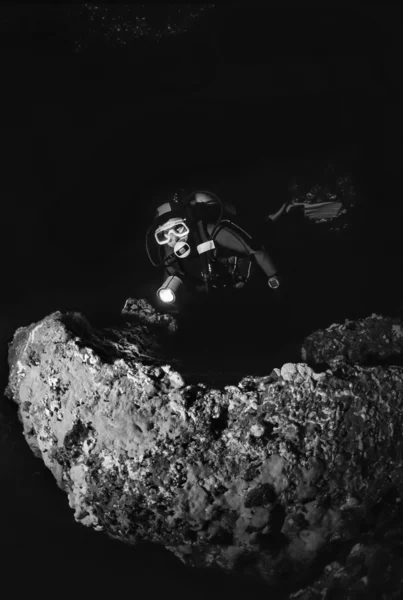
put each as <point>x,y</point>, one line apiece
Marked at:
<point>154,264</point>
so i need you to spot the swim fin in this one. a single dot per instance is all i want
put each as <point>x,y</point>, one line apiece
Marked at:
<point>314,212</point>
<point>321,210</point>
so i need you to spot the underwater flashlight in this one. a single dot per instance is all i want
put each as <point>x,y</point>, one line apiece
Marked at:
<point>166,295</point>
<point>168,291</point>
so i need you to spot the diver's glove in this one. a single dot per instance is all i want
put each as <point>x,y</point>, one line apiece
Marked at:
<point>274,282</point>
<point>172,309</point>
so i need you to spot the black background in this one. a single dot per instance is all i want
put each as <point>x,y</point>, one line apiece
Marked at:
<point>243,101</point>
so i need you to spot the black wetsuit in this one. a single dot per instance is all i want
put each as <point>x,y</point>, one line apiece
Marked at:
<point>230,264</point>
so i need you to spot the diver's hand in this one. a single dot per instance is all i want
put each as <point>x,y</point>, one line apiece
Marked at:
<point>172,309</point>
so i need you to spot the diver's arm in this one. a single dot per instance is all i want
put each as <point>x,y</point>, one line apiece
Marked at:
<point>170,270</point>
<point>232,240</point>
<point>265,262</point>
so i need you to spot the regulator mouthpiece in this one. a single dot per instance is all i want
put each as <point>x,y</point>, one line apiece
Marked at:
<point>167,293</point>
<point>182,249</point>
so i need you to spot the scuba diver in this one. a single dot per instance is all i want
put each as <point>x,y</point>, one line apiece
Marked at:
<point>202,249</point>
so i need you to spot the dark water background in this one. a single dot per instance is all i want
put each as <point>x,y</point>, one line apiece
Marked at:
<point>242,108</point>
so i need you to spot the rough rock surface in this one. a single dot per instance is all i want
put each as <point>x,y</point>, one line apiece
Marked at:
<point>296,477</point>
<point>139,310</point>
<point>375,339</point>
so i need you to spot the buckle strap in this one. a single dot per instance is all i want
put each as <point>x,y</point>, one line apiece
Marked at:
<point>205,247</point>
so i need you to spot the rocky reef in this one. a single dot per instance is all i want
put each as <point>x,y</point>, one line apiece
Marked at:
<point>294,478</point>
<point>376,339</point>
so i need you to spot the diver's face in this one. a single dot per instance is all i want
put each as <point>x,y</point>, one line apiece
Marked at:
<point>173,238</point>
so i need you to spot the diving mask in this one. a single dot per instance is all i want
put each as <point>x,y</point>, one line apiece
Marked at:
<point>173,227</point>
